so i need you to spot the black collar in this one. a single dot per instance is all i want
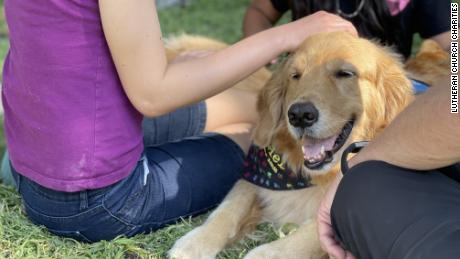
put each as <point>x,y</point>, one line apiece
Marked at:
<point>265,168</point>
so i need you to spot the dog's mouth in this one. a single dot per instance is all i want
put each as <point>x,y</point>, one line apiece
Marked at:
<point>317,152</point>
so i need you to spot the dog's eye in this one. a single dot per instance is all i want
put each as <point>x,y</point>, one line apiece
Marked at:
<point>345,74</point>
<point>295,75</point>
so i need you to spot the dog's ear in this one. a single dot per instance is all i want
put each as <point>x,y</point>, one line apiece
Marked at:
<point>270,107</point>
<point>393,85</point>
<point>430,46</point>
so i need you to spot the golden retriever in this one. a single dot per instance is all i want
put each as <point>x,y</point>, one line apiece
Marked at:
<point>430,63</point>
<point>191,45</point>
<point>334,90</point>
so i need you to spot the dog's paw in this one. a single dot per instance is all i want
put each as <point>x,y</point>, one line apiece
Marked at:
<point>197,244</point>
<point>265,252</point>
<point>270,251</point>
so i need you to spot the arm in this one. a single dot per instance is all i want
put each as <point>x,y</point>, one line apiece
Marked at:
<point>260,15</point>
<point>443,39</point>
<point>424,136</point>
<point>155,87</point>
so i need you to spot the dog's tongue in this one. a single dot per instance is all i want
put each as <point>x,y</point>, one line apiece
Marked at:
<point>312,147</point>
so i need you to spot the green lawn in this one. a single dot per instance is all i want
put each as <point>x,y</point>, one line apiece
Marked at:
<point>218,19</point>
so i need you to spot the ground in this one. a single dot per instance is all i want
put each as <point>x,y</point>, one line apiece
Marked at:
<point>21,239</point>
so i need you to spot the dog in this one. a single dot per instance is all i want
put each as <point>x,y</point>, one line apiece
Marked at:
<point>334,90</point>
<point>429,64</point>
<point>192,46</point>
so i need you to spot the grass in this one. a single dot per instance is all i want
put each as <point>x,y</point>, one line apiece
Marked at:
<point>21,239</point>
<point>217,19</point>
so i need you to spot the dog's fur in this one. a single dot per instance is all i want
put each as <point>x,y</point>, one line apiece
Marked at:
<point>430,63</point>
<point>374,93</point>
<point>185,44</point>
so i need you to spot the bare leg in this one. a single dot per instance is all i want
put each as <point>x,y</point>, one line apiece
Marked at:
<point>231,107</point>
<point>232,113</point>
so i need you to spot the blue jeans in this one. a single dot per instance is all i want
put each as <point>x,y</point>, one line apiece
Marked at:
<point>182,172</point>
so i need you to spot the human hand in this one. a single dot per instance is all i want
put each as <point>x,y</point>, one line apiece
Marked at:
<point>318,22</point>
<point>326,234</point>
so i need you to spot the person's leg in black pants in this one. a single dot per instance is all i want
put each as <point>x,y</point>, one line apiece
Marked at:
<point>383,211</point>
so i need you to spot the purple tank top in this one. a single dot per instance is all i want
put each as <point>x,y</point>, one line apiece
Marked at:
<point>69,125</point>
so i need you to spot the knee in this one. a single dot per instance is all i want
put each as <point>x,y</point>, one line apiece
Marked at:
<point>363,187</point>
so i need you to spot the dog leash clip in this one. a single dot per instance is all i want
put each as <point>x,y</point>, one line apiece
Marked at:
<point>353,148</point>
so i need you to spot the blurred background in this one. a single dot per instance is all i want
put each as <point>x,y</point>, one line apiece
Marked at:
<point>221,19</point>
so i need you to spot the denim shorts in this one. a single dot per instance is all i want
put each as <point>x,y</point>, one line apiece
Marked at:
<point>182,172</point>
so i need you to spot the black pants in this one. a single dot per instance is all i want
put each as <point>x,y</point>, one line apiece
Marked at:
<point>383,211</point>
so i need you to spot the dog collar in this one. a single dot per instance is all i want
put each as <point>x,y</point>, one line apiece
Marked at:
<point>419,86</point>
<point>265,168</point>
<point>352,148</point>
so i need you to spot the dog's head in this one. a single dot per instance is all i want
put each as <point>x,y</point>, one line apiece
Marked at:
<point>335,89</point>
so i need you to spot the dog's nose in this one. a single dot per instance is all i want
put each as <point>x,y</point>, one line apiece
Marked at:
<point>303,115</point>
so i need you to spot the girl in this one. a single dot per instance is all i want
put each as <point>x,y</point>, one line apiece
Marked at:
<point>78,80</point>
